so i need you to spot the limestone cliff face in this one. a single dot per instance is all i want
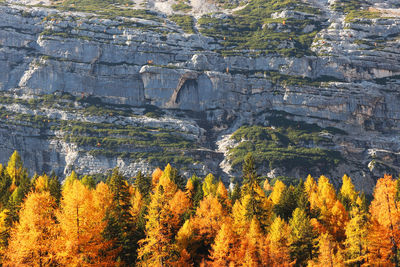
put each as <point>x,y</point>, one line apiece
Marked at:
<point>348,80</point>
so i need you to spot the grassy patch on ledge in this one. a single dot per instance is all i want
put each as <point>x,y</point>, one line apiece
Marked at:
<point>181,7</point>
<point>107,8</point>
<point>289,147</point>
<point>184,21</point>
<point>253,29</point>
<point>353,10</point>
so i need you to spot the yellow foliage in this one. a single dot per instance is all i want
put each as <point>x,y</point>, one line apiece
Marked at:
<point>384,234</point>
<point>156,176</point>
<point>137,204</point>
<point>33,240</point>
<point>347,190</point>
<point>42,183</point>
<point>185,235</point>
<point>81,219</point>
<point>208,218</point>
<point>276,194</point>
<point>224,247</point>
<point>209,187</point>
<point>279,242</point>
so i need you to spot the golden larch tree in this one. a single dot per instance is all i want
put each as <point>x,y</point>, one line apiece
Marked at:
<point>81,217</point>
<point>157,248</point>
<point>385,217</point>
<point>33,240</point>
<point>224,247</point>
<point>279,242</point>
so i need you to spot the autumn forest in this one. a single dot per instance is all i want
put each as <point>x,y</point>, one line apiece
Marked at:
<point>163,219</point>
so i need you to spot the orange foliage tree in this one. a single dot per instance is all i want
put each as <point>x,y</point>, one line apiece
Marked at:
<point>384,234</point>
<point>33,240</point>
<point>82,223</point>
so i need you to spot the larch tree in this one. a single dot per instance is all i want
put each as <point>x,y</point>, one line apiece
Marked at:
<point>279,242</point>
<point>155,176</point>
<point>179,205</point>
<point>277,191</point>
<point>81,218</point>
<point>329,253</point>
<point>185,241</point>
<point>379,245</point>
<point>224,247</point>
<point>209,185</point>
<point>16,170</point>
<point>348,194</point>
<point>251,248</point>
<point>207,221</point>
<point>33,239</point>
<point>332,214</point>
<point>385,211</point>
<point>356,236</point>
<point>240,215</point>
<point>222,195</point>
<point>157,248</point>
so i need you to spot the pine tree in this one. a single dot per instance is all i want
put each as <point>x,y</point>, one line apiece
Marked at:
<point>88,181</point>
<point>302,198</point>
<point>250,177</point>
<point>120,227</point>
<point>287,203</point>
<point>303,237</point>
<point>5,230</point>
<point>195,192</point>
<point>256,203</point>
<point>235,194</point>
<point>143,184</point>
<point>55,188</point>
<point>5,187</point>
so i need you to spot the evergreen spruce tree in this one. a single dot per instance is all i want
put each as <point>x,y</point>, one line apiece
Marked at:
<point>120,227</point>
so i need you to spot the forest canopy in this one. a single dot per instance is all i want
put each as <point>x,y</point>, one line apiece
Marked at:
<point>163,220</point>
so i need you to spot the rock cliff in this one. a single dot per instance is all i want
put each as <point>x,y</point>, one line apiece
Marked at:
<point>141,84</point>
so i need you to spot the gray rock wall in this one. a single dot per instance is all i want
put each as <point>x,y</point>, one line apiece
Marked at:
<point>82,55</point>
